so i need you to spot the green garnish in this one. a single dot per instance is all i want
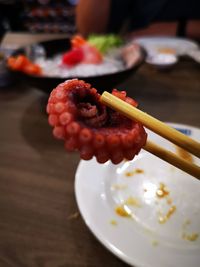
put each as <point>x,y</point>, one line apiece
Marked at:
<point>105,42</point>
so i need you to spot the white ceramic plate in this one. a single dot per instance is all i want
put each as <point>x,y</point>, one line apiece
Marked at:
<point>156,45</point>
<point>168,46</point>
<point>161,203</point>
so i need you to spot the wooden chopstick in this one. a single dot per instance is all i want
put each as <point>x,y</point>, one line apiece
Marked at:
<point>173,159</point>
<point>152,123</point>
<point>163,130</point>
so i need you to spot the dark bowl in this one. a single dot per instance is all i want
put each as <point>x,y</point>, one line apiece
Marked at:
<point>46,84</point>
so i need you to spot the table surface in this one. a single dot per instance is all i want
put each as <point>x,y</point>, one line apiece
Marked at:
<point>39,220</point>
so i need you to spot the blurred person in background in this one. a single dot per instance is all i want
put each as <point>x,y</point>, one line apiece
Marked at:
<point>139,17</point>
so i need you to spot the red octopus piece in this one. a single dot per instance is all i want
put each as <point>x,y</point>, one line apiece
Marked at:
<point>86,125</point>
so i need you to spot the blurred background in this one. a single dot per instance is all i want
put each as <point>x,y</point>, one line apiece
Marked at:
<point>136,17</point>
<point>37,16</point>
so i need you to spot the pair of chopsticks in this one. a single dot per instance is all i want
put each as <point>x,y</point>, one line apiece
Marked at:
<point>161,129</point>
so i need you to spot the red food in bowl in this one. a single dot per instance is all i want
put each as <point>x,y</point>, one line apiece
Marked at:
<point>81,52</point>
<point>23,64</point>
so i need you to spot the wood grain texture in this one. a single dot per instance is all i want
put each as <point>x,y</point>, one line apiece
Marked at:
<point>37,175</point>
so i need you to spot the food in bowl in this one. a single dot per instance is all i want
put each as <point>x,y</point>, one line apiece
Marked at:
<point>22,63</point>
<point>104,43</point>
<point>81,52</point>
<point>83,60</point>
<point>86,125</point>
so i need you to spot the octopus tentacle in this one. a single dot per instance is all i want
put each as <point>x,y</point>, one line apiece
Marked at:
<point>86,125</point>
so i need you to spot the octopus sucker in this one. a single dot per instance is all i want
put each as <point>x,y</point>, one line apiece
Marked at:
<point>86,125</point>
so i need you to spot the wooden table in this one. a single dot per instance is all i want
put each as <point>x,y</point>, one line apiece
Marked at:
<point>39,220</point>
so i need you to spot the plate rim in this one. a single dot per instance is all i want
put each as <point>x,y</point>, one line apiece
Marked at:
<point>162,37</point>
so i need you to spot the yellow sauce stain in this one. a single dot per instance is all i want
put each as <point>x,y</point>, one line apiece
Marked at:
<point>155,243</point>
<point>162,191</point>
<point>132,202</point>
<point>186,223</point>
<point>73,216</point>
<point>169,201</point>
<point>184,154</point>
<point>190,237</point>
<point>113,222</point>
<point>139,171</point>
<point>120,210</point>
<point>136,171</point>
<point>119,186</point>
<point>167,50</point>
<point>163,219</point>
<point>128,174</point>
